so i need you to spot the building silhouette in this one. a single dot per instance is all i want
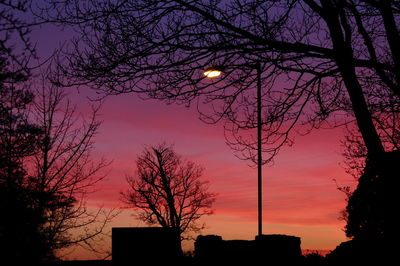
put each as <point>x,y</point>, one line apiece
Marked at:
<point>149,245</point>
<point>265,249</point>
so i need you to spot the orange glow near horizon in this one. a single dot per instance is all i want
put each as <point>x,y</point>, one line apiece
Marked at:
<point>299,194</point>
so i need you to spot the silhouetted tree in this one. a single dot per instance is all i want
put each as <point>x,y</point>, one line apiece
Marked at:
<point>62,172</point>
<point>20,239</point>
<point>19,236</point>
<point>324,63</point>
<point>168,190</point>
<point>15,27</point>
<point>366,220</point>
<point>46,170</point>
<point>46,167</point>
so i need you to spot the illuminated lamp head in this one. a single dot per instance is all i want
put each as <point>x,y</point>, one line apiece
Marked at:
<point>213,72</point>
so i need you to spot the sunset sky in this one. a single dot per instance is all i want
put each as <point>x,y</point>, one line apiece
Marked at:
<point>300,194</point>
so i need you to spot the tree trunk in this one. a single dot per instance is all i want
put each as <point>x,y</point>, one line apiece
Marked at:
<point>365,209</point>
<point>341,41</point>
<point>393,38</point>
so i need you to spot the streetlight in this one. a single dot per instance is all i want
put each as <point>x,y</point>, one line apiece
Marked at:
<point>212,73</point>
<point>216,72</point>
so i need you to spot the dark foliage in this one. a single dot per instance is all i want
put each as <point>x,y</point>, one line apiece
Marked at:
<point>20,238</point>
<point>371,204</point>
<point>314,259</point>
<point>62,171</point>
<point>45,165</point>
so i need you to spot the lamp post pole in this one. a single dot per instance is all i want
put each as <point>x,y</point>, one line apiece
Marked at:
<point>214,73</point>
<point>259,149</point>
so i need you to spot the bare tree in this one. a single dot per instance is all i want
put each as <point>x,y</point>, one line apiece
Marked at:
<point>15,26</point>
<point>325,63</point>
<point>63,172</point>
<point>168,191</point>
<point>45,164</point>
